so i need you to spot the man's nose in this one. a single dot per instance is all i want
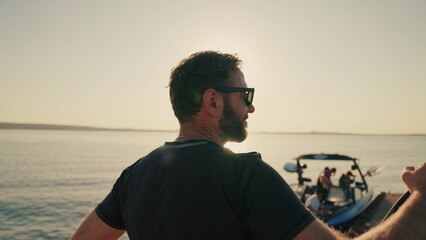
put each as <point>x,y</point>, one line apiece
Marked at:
<point>251,108</point>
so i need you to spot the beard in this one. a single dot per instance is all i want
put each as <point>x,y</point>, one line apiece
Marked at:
<point>233,129</point>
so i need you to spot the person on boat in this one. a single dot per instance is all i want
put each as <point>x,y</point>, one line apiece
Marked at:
<point>314,204</point>
<point>194,188</point>
<point>346,179</point>
<point>324,180</point>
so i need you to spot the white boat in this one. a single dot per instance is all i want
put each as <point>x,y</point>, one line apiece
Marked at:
<point>344,203</point>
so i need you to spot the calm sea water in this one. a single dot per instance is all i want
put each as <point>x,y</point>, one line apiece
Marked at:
<point>49,179</point>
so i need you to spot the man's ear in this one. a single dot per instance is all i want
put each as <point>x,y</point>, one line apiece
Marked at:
<point>213,102</point>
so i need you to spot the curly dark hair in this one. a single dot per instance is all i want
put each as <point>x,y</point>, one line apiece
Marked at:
<point>194,75</point>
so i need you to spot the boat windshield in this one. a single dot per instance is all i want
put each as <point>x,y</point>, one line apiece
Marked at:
<point>339,194</point>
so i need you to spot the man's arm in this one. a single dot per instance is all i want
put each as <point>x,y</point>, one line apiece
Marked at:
<point>94,228</point>
<point>410,220</point>
<point>407,223</point>
<point>319,230</point>
<point>325,211</point>
<point>320,210</point>
<point>312,210</point>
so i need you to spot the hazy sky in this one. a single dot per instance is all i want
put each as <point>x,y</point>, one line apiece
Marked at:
<point>334,66</point>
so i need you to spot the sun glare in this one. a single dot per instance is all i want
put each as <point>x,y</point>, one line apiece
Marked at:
<point>236,147</point>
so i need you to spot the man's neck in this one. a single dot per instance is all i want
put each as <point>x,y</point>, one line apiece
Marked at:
<point>192,131</point>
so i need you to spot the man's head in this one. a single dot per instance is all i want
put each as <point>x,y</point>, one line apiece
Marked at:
<point>207,74</point>
<point>319,193</point>
<point>194,75</point>
<point>326,170</point>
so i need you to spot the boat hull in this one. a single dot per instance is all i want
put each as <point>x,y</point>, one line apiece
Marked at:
<point>346,217</point>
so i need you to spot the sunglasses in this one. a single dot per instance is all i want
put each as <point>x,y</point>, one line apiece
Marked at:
<point>248,98</point>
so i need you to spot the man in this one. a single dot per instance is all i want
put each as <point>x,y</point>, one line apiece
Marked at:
<point>324,180</point>
<point>313,204</point>
<point>193,188</point>
<point>346,179</point>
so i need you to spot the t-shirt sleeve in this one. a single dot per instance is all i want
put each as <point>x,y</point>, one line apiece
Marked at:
<point>273,209</point>
<point>109,209</point>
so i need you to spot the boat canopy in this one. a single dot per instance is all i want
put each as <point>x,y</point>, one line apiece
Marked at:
<point>324,156</point>
<point>298,168</point>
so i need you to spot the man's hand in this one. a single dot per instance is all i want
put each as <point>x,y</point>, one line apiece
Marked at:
<point>415,178</point>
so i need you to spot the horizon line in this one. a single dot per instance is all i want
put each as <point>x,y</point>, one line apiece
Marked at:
<point>44,126</point>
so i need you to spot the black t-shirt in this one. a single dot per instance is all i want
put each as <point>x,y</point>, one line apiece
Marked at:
<point>200,190</point>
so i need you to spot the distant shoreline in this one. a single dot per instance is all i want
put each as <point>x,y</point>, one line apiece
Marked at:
<point>34,126</point>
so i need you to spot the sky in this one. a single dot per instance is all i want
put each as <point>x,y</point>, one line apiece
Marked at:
<point>317,66</point>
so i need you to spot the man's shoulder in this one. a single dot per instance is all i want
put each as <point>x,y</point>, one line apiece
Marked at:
<point>205,152</point>
<point>253,156</point>
<point>207,148</point>
<point>312,200</point>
